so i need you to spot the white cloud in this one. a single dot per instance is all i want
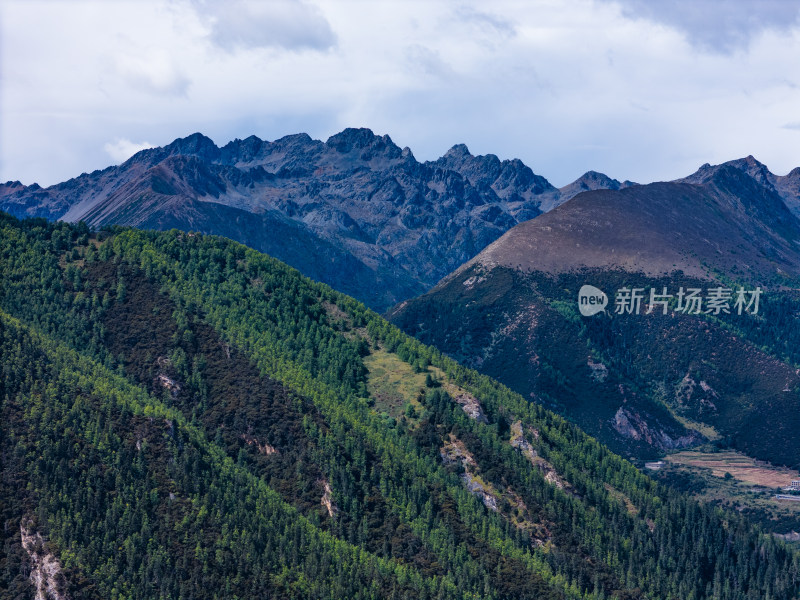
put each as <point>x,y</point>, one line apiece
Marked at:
<point>566,86</point>
<point>248,24</point>
<point>122,149</point>
<point>152,71</point>
<point>713,25</point>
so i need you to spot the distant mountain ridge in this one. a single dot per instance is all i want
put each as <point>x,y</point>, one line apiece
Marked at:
<point>357,211</point>
<point>722,219</point>
<point>786,186</point>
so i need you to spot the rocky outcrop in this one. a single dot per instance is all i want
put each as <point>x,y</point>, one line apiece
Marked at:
<point>454,452</point>
<point>470,405</point>
<point>632,425</point>
<point>262,447</point>
<point>480,489</point>
<point>46,574</point>
<point>696,399</point>
<point>327,499</point>
<point>168,383</point>
<point>519,442</point>
<point>599,370</point>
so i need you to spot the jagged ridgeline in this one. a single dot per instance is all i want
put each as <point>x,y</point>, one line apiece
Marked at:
<point>183,417</point>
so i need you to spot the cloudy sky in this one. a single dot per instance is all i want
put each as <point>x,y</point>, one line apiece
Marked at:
<point>639,90</point>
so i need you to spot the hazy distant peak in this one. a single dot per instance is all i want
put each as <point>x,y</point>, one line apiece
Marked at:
<point>294,138</point>
<point>251,141</point>
<point>9,185</point>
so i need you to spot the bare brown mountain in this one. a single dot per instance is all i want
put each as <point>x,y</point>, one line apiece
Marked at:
<point>730,223</point>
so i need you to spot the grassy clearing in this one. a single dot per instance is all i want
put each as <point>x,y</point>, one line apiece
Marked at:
<point>393,384</point>
<point>707,430</point>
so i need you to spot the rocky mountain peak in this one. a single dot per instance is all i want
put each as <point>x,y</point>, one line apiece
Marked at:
<point>748,165</point>
<point>195,144</point>
<point>11,186</point>
<point>459,150</point>
<point>591,180</point>
<point>755,169</point>
<point>363,139</point>
<point>295,139</point>
<point>753,187</point>
<point>244,150</point>
<point>488,171</point>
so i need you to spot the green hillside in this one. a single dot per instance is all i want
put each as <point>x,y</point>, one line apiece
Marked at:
<point>644,384</point>
<point>183,417</point>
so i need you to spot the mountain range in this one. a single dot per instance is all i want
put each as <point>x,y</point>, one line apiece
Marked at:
<point>509,252</point>
<point>356,212</point>
<point>184,417</point>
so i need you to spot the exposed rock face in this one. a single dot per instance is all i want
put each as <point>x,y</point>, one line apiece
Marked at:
<point>483,491</point>
<point>599,370</point>
<point>631,425</point>
<point>470,405</point>
<point>695,398</point>
<point>454,452</point>
<point>519,442</point>
<point>168,383</point>
<point>356,212</point>
<point>263,447</point>
<point>46,575</point>
<point>327,499</point>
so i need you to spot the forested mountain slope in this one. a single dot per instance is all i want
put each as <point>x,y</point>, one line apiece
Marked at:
<point>183,417</point>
